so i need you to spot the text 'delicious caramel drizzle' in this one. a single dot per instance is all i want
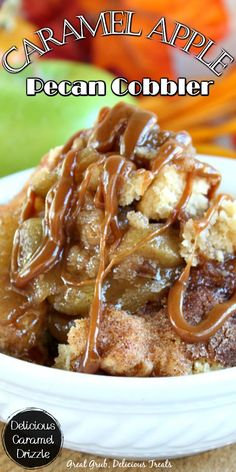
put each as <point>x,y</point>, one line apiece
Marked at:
<point>113,142</point>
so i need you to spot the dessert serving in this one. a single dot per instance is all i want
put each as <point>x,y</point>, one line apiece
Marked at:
<point>118,256</point>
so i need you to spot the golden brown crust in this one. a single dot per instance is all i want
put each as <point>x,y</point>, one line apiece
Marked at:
<point>216,241</point>
<point>162,196</point>
<point>146,344</point>
<point>131,345</point>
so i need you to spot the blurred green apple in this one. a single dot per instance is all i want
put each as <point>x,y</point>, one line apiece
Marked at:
<point>30,126</point>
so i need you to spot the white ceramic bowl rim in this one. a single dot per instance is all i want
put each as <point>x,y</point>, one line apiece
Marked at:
<point>91,387</point>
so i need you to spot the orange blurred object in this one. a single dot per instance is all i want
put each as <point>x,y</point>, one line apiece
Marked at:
<point>136,57</point>
<point>210,120</point>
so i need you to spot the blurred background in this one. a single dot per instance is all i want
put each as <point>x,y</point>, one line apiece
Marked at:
<point>31,125</point>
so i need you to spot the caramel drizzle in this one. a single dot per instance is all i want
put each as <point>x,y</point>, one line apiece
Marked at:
<point>179,208</point>
<point>137,124</point>
<point>219,314</point>
<point>172,153</point>
<point>115,168</point>
<point>57,209</point>
<point>91,360</point>
<point>63,203</point>
<point>28,209</point>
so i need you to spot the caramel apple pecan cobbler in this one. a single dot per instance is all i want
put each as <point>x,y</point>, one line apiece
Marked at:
<point>118,256</point>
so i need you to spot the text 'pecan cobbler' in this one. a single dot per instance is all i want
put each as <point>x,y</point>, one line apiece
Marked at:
<point>119,255</point>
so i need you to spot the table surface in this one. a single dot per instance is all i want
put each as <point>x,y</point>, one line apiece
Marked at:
<point>220,460</point>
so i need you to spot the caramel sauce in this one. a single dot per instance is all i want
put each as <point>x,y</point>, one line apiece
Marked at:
<point>28,209</point>
<point>172,153</point>
<point>219,314</point>
<point>115,168</point>
<point>137,124</point>
<point>57,209</point>
<point>180,207</point>
<point>123,127</point>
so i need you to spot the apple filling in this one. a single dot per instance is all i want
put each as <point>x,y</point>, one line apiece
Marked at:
<point>119,256</point>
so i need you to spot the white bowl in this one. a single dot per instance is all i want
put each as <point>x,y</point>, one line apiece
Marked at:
<point>126,417</point>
